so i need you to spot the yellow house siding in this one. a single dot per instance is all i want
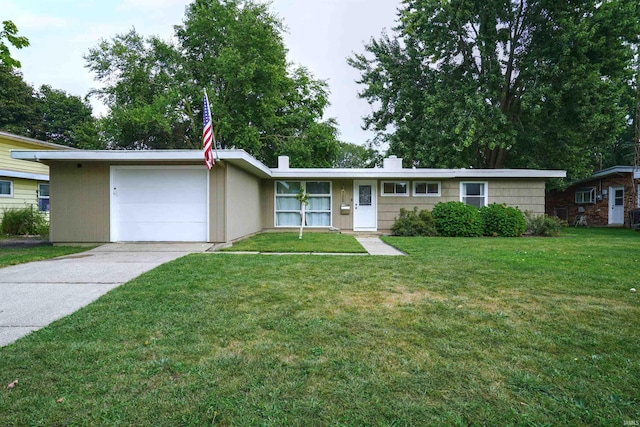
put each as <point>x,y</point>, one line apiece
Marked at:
<point>25,194</point>
<point>7,163</point>
<point>79,202</point>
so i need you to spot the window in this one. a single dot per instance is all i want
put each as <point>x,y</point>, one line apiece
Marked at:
<point>431,189</point>
<point>395,189</point>
<point>474,193</point>
<point>43,197</point>
<point>6,188</point>
<point>586,195</point>
<point>287,205</point>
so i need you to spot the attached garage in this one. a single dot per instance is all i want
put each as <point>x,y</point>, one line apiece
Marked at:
<point>161,204</point>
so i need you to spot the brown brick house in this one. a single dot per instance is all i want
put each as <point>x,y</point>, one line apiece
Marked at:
<point>604,199</point>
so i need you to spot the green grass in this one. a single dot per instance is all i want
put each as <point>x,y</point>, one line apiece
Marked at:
<point>12,256</point>
<point>289,242</point>
<point>488,331</point>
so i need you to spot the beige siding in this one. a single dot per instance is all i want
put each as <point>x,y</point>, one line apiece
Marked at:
<point>243,203</point>
<point>79,202</point>
<point>527,195</point>
<point>7,163</point>
<point>217,197</point>
<point>343,222</point>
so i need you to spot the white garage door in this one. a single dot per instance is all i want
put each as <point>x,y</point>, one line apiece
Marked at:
<point>158,204</point>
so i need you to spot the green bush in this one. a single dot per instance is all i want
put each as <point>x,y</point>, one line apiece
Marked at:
<point>414,223</point>
<point>502,221</point>
<point>543,225</point>
<point>456,219</point>
<point>24,221</point>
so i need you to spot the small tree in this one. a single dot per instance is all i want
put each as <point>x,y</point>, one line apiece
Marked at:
<point>303,199</point>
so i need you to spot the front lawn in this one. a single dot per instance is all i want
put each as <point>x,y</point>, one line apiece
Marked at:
<point>289,242</point>
<point>20,255</point>
<point>487,331</point>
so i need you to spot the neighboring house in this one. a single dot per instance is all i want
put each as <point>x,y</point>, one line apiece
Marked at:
<point>605,198</point>
<point>23,184</point>
<point>168,195</point>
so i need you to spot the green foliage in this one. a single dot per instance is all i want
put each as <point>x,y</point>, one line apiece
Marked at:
<point>457,219</point>
<point>235,50</point>
<point>414,223</point>
<point>9,33</point>
<point>18,105</point>
<point>534,84</point>
<point>24,221</point>
<point>543,225</point>
<point>356,156</point>
<point>502,220</point>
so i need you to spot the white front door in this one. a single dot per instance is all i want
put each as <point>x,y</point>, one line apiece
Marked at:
<point>365,206</point>
<point>616,205</point>
<point>159,204</point>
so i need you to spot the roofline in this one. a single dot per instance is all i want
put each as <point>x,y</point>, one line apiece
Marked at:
<point>24,139</point>
<point>244,160</point>
<point>24,175</point>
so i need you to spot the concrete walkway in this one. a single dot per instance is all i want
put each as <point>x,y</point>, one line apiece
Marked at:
<point>375,246</point>
<point>34,294</point>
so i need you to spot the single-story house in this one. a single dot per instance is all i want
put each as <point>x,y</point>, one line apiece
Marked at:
<point>603,199</point>
<point>23,184</point>
<point>169,195</point>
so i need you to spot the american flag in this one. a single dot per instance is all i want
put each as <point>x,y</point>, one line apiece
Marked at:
<point>207,134</point>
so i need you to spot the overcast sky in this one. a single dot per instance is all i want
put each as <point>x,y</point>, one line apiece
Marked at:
<point>322,34</point>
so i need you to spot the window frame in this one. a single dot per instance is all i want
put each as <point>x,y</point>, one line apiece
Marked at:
<point>395,187</point>
<point>591,191</point>
<point>40,197</point>
<point>10,188</point>
<point>427,194</point>
<point>307,210</point>
<point>485,196</point>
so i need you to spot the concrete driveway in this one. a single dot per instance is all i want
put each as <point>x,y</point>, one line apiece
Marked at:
<point>35,294</point>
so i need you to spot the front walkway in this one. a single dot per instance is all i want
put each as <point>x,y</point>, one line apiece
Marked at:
<point>375,246</point>
<point>372,244</point>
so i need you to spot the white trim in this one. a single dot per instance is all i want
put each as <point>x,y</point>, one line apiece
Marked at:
<point>591,191</point>
<point>304,185</point>
<point>612,204</point>
<point>385,194</point>
<point>40,197</point>
<point>374,203</point>
<point>438,194</point>
<point>486,190</point>
<point>23,175</point>
<point>10,195</point>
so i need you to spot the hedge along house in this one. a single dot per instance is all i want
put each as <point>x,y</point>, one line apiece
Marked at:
<point>604,199</point>
<point>169,195</point>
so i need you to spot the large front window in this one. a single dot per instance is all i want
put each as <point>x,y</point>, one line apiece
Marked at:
<point>317,210</point>
<point>474,193</point>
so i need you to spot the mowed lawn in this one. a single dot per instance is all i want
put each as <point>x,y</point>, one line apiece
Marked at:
<point>526,331</point>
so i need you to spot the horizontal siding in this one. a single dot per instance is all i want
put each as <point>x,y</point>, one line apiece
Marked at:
<point>25,194</point>
<point>7,163</point>
<point>526,195</point>
<point>243,203</point>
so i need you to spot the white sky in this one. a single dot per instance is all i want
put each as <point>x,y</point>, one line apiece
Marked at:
<point>322,34</point>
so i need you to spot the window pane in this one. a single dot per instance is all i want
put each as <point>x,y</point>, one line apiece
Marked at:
<point>401,188</point>
<point>473,189</point>
<point>43,204</point>
<point>421,188</point>
<point>5,188</point>
<point>318,219</point>
<point>43,190</point>
<point>478,202</point>
<point>388,187</point>
<point>432,188</point>
<point>288,187</point>
<point>364,195</point>
<point>287,204</point>
<point>316,187</point>
<point>319,204</point>
<point>287,219</point>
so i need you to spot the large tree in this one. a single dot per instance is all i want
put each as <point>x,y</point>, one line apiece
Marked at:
<point>9,36</point>
<point>233,49</point>
<point>502,83</point>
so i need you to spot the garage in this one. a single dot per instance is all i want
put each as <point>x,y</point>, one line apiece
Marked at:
<point>158,204</point>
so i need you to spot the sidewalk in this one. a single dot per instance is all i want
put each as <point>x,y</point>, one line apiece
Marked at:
<point>373,246</point>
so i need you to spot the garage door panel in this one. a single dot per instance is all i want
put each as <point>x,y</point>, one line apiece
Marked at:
<point>159,204</point>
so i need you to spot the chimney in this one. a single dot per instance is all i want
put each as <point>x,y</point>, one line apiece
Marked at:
<point>283,162</point>
<point>392,163</point>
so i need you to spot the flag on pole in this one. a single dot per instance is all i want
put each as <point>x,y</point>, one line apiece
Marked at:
<point>207,134</point>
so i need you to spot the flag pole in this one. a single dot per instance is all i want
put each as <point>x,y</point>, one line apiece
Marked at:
<point>213,130</point>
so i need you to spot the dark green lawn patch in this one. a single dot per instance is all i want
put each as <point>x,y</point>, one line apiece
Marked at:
<point>481,331</point>
<point>20,255</point>
<point>289,242</point>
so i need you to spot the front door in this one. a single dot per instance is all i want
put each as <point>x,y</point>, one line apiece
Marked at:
<point>616,205</point>
<point>365,206</point>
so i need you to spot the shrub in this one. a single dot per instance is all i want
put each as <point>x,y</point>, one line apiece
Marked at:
<point>543,225</point>
<point>414,223</point>
<point>24,221</point>
<point>456,219</point>
<point>502,221</point>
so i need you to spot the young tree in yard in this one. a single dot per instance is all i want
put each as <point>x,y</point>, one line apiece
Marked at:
<point>235,50</point>
<point>502,83</point>
<point>9,33</point>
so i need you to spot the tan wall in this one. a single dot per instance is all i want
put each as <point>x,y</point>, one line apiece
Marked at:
<point>526,195</point>
<point>7,163</point>
<point>79,202</point>
<point>217,197</point>
<point>243,203</point>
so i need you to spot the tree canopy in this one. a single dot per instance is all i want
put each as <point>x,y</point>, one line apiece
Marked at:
<point>233,49</point>
<point>9,33</point>
<point>502,83</point>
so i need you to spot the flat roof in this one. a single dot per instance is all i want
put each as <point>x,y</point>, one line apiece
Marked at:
<point>24,139</point>
<point>244,160</point>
